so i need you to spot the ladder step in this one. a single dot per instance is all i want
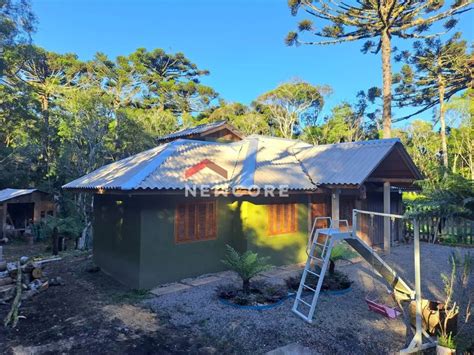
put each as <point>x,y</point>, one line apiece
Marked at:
<point>313,257</point>
<point>322,245</point>
<point>309,288</point>
<point>312,272</point>
<point>306,303</point>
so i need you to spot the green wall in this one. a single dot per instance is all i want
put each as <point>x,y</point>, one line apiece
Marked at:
<point>116,240</point>
<point>162,260</point>
<point>134,238</point>
<point>283,249</point>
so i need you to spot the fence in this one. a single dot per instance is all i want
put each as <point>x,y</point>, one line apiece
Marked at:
<point>450,230</point>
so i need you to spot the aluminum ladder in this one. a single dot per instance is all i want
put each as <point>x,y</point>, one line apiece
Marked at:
<point>320,244</point>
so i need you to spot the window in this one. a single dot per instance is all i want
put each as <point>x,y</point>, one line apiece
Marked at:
<point>282,218</point>
<point>195,222</point>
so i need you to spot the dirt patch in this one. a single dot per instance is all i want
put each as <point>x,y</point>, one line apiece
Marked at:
<point>133,317</point>
<point>91,314</point>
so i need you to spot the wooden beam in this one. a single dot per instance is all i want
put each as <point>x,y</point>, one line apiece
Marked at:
<point>392,180</point>
<point>386,222</point>
<point>335,204</point>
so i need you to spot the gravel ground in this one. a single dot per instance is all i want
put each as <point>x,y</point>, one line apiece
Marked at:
<point>342,323</point>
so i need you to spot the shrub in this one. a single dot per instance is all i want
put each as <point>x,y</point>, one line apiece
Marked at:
<point>447,341</point>
<point>246,265</point>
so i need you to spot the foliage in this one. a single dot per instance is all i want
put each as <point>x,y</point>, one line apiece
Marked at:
<point>460,118</point>
<point>447,341</point>
<point>67,226</point>
<point>433,65</point>
<point>433,74</point>
<point>17,23</point>
<point>451,196</point>
<point>293,105</point>
<point>246,265</point>
<point>457,289</point>
<point>340,252</point>
<point>59,109</point>
<point>247,120</point>
<point>367,20</point>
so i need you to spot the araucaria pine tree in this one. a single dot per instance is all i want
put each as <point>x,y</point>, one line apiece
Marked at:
<point>433,73</point>
<point>370,20</point>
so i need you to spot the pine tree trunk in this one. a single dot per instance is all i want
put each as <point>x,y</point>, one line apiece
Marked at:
<point>442,121</point>
<point>44,100</point>
<point>387,84</point>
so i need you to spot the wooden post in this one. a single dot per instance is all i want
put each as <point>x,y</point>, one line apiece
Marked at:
<point>416,234</point>
<point>310,212</point>
<point>386,221</point>
<point>335,204</point>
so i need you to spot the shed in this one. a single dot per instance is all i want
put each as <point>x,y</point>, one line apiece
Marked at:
<point>22,207</point>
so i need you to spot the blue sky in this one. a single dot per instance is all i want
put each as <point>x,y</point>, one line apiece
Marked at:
<point>239,41</point>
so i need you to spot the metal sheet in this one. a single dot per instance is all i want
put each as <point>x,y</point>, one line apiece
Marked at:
<point>8,194</point>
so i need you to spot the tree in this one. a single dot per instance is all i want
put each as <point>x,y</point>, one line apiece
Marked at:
<point>368,19</point>
<point>422,144</point>
<point>148,85</point>
<point>247,120</point>
<point>433,74</point>
<point>293,105</point>
<point>17,23</point>
<point>46,75</point>
<point>460,115</point>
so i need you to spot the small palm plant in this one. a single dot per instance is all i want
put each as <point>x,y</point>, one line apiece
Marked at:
<point>246,265</point>
<point>339,252</point>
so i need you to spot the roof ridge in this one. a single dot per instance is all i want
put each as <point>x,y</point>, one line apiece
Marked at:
<point>366,142</point>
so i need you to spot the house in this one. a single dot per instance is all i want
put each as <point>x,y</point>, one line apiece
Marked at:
<point>22,207</point>
<point>168,213</point>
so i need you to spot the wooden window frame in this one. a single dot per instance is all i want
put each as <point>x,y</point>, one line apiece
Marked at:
<point>201,215</point>
<point>282,218</point>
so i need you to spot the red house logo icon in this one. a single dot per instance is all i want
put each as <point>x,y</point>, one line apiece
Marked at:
<point>206,163</point>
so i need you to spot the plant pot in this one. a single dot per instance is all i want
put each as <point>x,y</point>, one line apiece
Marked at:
<point>442,350</point>
<point>433,313</point>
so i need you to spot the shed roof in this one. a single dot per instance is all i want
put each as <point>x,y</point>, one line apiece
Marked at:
<point>253,161</point>
<point>8,194</point>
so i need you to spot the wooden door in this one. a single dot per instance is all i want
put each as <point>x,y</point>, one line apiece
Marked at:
<point>320,207</point>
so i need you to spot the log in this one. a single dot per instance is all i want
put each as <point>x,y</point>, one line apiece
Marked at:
<point>7,292</point>
<point>6,281</point>
<point>40,263</point>
<point>12,316</point>
<point>37,273</point>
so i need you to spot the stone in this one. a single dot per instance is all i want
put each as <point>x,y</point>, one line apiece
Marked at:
<point>171,288</point>
<point>292,349</point>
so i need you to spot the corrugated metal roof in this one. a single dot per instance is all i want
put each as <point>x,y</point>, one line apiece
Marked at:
<point>344,163</point>
<point>253,161</point>
<point>271,161</point>
<point>8,194</point>
<point>193,130</point>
